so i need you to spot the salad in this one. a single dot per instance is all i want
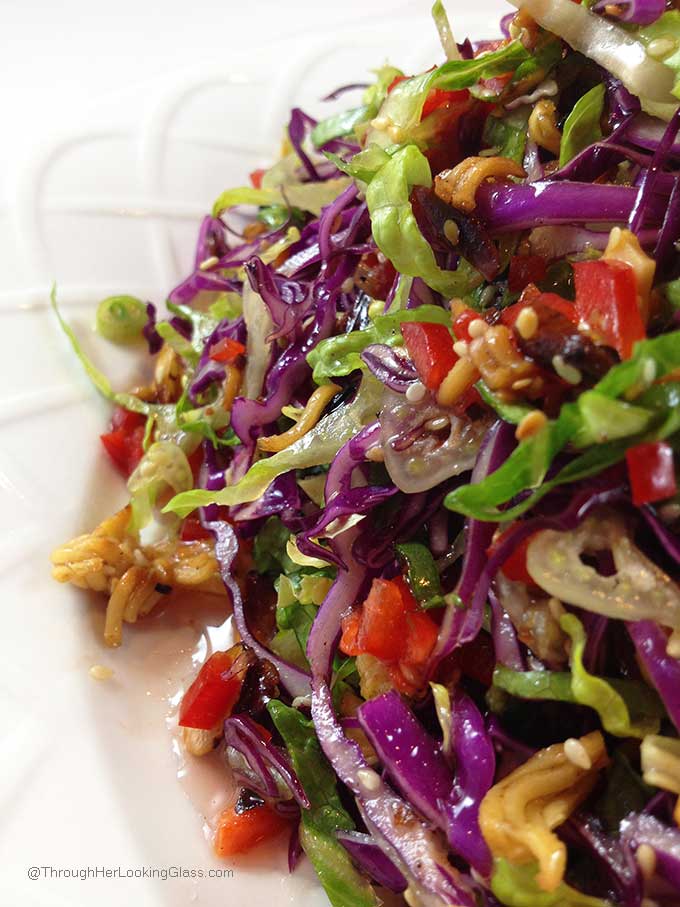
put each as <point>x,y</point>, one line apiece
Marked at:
<point>414,415</point>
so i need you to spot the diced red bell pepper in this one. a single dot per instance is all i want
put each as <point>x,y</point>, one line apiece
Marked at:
<point>462,322</point>
<point>124,442</point>
<point>239,832</point>
<point>533,297</point>
<point>525,269</point>
<point>651,471</point>
<point>391,626</point>
<point>430,346</point>
<point>437,98</point>
<point>256,177</point>
<point>383,629</point>
<point>606,300</point>
<point>193,531</point>
<point>216,689</point>
<point>227,350</point>
<point>515,567</point>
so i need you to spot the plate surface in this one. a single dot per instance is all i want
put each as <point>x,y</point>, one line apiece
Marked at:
<point>110,202</point>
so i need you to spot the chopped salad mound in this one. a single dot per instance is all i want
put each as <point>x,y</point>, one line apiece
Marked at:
<point>414,416</point>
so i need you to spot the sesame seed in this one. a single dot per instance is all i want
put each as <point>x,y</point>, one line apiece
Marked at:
<point>460,348</point>
<point>369,779</point>
<point>100,672</point>
<point>673,645</point>
<point>208,263</point>
<point>646,860</point>
<point>649,371</point>
<point>527,322</point>
<point>521,383</point>
<point>415,392</point>
<point>451,232</point>
<point>380,123</point>
<point>611,9</point>
<point>477,328</point>
<point>567,372</point>
<point>437,424</point>
<point>577,754</point>
<point>661,47</point>
<point>531,424</point>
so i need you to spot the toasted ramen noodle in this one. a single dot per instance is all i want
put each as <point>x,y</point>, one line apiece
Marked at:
<point>135,577</point>
<point>518,815</point>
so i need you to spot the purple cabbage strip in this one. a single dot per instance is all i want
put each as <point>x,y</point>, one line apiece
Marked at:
<point>665,252</point>
<point>596,159</point>
<point>199,281</point>
<point>208,371</point>
<point>668,539</point>
<point>475,763</point>
<point>505,23</point>
<point>643,200</point>
<point>341,498</point>
<point>647,132</point>
<point>294,679</point>
<point>664,671</point>
<point>614,859</point>
<point>265,760</point>
<point>151,335</point>
<point>298,127</point>
<point>637,12</point>
<point>328,217</point>
<point>505,643</point>
<point>623,106</point>
<point>412,758</point>
<point>211,241</point>
<point>370,858</point>
<point>407,841</point>
<point>390,365</point>
<point>342,89</point>
<point>249,417</point>
<point>294,847</point>
<point>282,498</point>
<point>462,625</point>
<point>504,207</point>
<point>665,842</point>
<point>288,301</point>
<point>415,763</point>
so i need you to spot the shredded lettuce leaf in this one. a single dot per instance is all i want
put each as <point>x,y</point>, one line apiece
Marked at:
<point>516,886</point>
<point>600,695</point>
<point>339,125</point>
<point>316,448</point>
<point>396,230</point>
<point>404,105</point>
<point>341,355</point>
<point>311,197</point>
<point>422,574</point>
<point>666,27</point>
<point>582,126</point>
<point>595,416</point>
<point>343,884</point>
<point>164,465</point>
<point>508,134</point>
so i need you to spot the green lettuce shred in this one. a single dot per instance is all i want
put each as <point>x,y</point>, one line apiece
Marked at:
<point>598,417</point>
<point>343,884</point>
<point>516,886</point>
<point>316,448</point>
<point>311,197</point>
<point>341,355</point>
<point>582,126</point>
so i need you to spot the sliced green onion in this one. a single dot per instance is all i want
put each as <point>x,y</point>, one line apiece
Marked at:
<point>121,319</point>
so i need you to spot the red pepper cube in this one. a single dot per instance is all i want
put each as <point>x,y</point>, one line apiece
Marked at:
<point>216,689</point>
<point>124,442</point>
<point>383,628</point>
<point>462,322</point>
<point>227,350</point>
<point>651,470</point>
<point>430,346</point>
<point>606,300</point>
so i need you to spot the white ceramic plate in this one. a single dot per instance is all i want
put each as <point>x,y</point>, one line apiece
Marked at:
<point>112,204</point>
